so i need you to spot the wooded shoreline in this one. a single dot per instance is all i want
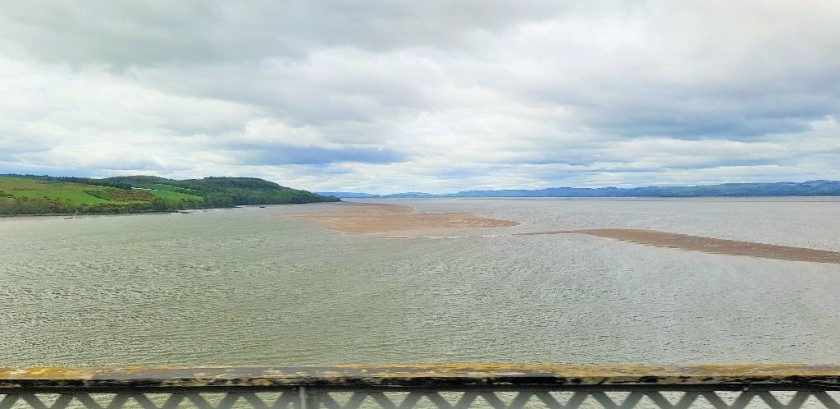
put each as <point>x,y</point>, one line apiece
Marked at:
<point>62,196</point>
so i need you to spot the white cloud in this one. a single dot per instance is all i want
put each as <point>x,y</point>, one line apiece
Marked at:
<point>424,95</point>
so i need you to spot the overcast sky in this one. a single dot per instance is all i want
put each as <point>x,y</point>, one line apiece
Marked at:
<point>435,96</point>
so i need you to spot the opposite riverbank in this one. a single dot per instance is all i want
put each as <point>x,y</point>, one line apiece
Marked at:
<point>60,196</point>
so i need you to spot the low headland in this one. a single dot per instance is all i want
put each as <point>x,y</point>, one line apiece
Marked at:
<point>47,195</point>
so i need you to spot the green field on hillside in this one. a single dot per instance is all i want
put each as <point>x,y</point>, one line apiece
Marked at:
<point>68,195</point>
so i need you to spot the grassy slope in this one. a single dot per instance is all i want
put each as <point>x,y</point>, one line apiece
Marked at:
<point>37,195</point>
<point>33,189</point>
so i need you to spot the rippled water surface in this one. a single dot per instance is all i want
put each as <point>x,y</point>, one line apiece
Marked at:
<point>257,286</point>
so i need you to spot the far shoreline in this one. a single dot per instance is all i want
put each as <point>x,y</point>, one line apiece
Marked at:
<point>731,199</point>
<point>137,213</point>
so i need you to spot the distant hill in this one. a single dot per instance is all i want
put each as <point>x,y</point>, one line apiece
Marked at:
<point>359,195</point>
<point>30,194</point>
<point>347,195</point>
<point>811,188</point>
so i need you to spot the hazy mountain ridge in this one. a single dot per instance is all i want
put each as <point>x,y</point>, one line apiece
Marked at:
<point>809,188</point>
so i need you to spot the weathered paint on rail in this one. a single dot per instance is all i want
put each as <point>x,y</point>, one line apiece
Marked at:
<point>437,376</point>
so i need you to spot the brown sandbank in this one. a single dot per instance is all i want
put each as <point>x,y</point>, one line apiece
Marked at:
<point>707,244</point>
<point>380,218</point>
<point>359,218</point>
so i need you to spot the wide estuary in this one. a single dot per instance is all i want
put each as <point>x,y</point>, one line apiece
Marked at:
<point>281,285</point>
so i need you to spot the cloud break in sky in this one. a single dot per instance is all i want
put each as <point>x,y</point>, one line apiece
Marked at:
<point>430,96</point>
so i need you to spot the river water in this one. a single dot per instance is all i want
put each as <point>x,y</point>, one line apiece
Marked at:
<point>258,286</point>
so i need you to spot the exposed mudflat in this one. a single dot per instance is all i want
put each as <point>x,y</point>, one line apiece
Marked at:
<point>380,218</point>
<point>707,244</point>
<point>358,218</point>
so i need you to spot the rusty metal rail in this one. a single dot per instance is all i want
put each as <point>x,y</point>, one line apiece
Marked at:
<point>424,386</point>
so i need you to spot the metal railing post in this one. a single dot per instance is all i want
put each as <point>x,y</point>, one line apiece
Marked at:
<point>303,397</point>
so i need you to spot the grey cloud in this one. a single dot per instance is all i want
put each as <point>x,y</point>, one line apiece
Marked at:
<point>345,86</point>
<point>161,32</point>
<point>696,125</point>
<point>136,33</point>
<point>278,154</point>
<point>687,69</point>
<point>652,106</point>
<point>19,143</point>
<point>711,111</point>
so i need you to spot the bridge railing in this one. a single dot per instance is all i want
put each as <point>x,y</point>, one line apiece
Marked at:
<point>424,386</point>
